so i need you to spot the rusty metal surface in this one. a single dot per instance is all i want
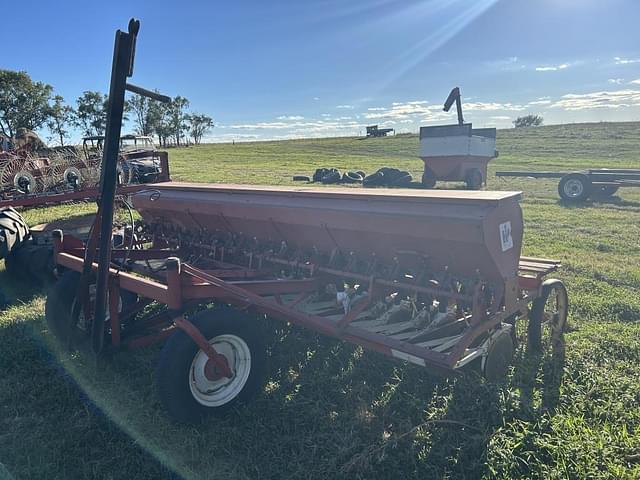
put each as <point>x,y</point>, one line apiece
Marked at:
<point>463,230</point>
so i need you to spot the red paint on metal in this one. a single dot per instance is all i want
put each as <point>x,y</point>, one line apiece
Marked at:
<point>217,366</point>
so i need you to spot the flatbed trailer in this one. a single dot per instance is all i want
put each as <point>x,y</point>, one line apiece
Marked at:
<point>578,186</point>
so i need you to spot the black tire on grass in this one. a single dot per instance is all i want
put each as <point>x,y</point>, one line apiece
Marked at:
<point>14,231</point>
<point>176,379</point>
<point>57,309</point>
<point>558,321</point>
<point>59,304</point>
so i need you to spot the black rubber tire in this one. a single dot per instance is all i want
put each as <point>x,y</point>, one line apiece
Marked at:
<point>361,173</point>
<point>352,177</point>
<point>331,178</point>
<point>534,327</point>
<point>319,173</point>
<point>403,179</point>
<point>474,179</point>
<point>14,231</point>
<point>57,309</point>
<point>499,357</point>
<point>176,357</point>
<point>604,191</point>
<point>428,179</point>
<point>575,187</point>
<point>301,178</point>
<point>374,180</point>
<point>32,263</point>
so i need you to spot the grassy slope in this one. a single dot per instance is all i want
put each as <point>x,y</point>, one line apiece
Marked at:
<point>333,411</point>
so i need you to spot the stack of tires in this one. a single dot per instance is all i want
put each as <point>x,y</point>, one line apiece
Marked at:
<point>388,177</point>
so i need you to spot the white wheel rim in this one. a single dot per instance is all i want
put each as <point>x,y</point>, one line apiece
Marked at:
<point>214,393</point>
<point>573,188</point>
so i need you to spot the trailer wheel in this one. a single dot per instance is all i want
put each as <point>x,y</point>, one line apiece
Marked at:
<point>184,389</point>
<point>473,179</point>
<point>548,318</point>
<point>575,187</point>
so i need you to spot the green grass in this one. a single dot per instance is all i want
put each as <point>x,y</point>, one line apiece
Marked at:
<point>331,410</point>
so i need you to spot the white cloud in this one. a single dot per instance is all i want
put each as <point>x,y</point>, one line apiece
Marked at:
<point>625,61</point>
<point>491,106</point>
<point>615,81</point>
<point>345,107</point>
<point>635,82</point>
<point>552,68</point>
<point>540,102</point>
<point>402,110</point>
<point>596,100</point>
<point>290,117</point>
<point>500,117</point>
<point>316,98</point>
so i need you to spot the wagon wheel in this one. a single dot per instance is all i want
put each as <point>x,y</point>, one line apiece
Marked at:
<point>188,390</point>
<point>548,318</point>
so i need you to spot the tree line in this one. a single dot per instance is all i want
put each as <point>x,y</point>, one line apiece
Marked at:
<point>25,103</point>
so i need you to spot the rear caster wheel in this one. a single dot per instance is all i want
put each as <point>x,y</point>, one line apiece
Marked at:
<point>186,385</point>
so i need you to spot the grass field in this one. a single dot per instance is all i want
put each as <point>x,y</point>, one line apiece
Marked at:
<point>333,411</point>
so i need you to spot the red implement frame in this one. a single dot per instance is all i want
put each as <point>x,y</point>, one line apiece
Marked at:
<point>184,286</point>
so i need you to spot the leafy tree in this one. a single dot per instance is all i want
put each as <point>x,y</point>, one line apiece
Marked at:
<point>528,121</point>
<point>61,116</point>
<point>144,114</point>
<point>91,114</point>
<point>23,102</point>
<point>178,117</point>
<point>199,124</point>
<point>159,115</point>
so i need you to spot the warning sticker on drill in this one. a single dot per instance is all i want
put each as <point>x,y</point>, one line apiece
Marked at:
<point>505,236</point>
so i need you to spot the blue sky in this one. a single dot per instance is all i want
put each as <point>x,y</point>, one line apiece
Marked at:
<point>281,69</point>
